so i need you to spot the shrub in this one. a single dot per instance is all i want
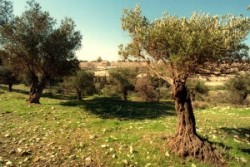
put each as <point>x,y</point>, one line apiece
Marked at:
<point>145,88</point>
<point>82,82</point>
<point>239,88</point>
<point>198,86</point>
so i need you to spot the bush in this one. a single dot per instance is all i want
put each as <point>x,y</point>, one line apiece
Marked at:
<point>165,92</point>
<point>145,88</point>
<point>239,88</point>
<point>198,86</point>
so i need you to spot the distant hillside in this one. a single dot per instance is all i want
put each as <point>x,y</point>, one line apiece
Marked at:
<point>108,65</point>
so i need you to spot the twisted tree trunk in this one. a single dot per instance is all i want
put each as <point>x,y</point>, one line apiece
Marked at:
<point>36,89</point>
<point>186,142</point>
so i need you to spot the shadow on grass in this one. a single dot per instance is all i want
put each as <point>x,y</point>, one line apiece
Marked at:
<point>106,108</point>
<point>5,88</point>
<point>242,133</point>
<point>58,96</point>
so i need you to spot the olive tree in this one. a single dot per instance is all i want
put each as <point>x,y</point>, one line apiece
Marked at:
<point>122,80</point>
<point>83,82</point>
<point>185,46</point>
<point>7,76</point>
<point>33,42</point>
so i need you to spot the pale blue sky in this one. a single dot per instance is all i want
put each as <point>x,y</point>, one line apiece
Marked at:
<point>99,20</point>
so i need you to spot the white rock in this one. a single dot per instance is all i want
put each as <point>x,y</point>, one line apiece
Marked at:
<point>167,154</point>
<point>243,160</point>
<point>9,163</point>
<point>19,150</point>
<point>193,165</point>
<point>88,161</point>
<point>104,146</point>
<point>131,149</point>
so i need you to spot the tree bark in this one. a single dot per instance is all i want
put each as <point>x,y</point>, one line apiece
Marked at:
<point>186,142</point>
<point>36,89</point>
<point>79,94</point>
<point>125,94</point>
<point>10,86</point>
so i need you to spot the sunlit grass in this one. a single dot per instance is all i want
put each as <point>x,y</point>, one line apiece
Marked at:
<point>104,131</point>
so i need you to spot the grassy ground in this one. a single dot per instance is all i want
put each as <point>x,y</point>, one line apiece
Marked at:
<point>105,131</point>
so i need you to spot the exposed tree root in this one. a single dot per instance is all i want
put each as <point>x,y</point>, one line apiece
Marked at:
<point>192,146</point>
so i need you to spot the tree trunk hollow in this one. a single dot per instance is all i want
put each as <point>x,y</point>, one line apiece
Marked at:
<point>186,142</point>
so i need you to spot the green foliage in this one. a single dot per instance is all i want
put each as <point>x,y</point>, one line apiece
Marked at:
<point>123,80</point>
<point>239,88</point>
<point>188,43</point>
<point>32,42</point>
<point>7,76</point>
<point>198,86</point>
<point>83,81</point>
<point>99,59</point>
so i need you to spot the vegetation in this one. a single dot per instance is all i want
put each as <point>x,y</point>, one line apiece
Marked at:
<point>104,131</point>
<point>122,80</point>
<point>32,43</point>
<point>7,76</point>
<point>239,88</point>
<point>146,89</point>
<point>185,46</point>
<point>82,83</point>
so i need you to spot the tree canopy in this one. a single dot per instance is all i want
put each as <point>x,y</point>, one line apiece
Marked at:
<point>33,42</point>
<point>186,44</point>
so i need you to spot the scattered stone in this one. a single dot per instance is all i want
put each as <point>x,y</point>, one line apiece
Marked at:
<point>111,150</point>
<point>237,140</point>
<point>26,159</point>
<point>38,140</point>
<point>88,161</point>
<point>92,137</point>
<point>114,156</point>
<point>19,150</point>
<point>193,165</point>
<point>214,137</point>
<point>131,150</point>
<point>9,163</point>
<point>104,146</point>
<point>125,161</point>
<point>22,140</point>
<point>167,154</point>
<point>12,152</point>
<point>36,159</point>
<point>243,160</point>
<point>148,164</point>
<point>73,157</point>
<point>7,135</point>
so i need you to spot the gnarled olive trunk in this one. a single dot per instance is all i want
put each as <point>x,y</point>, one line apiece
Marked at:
<point>36,89</point>
<point>186,142</point>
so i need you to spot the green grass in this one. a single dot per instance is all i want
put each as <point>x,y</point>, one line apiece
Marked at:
<point>102,131</point>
